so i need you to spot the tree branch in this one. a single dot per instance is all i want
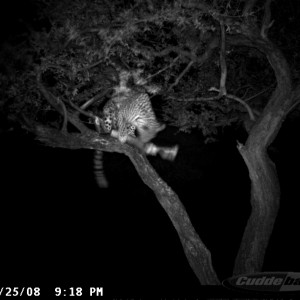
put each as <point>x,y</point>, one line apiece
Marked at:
<point>167,51</point>
<point>181,75</point>
<point>80,110</point>
<point>248,7</point>
<point>214,43</point>
<point>266,23</point>
<point>248,108</point>
<point>265,189</point>
<point>59,106</point>
<point>94,99</point>
<point>258,94</point>
<point>223,65</point>
<point>196,252</point>
<point>163,69</point>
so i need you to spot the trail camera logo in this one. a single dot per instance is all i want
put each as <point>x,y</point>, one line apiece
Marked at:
<point>265,282</point>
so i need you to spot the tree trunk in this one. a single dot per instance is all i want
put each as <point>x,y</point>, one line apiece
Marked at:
<point>265,196</point>
<point>265,190</point>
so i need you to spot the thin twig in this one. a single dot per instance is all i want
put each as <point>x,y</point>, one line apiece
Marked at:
<point>196,99</point>
<point>266,23</point>
<point>241,88</point>
<point>191,55</point>
<point>248,7</point>
<point>293,106</point>
<point>223,61</point>
<point>58,105</point>
<point>165,68</point>
<point>217,97</point>
<point>256,95</point>
<point>65,122</point>
<point>91,66</point>
<point>181,75</point>
<point>251,115</point>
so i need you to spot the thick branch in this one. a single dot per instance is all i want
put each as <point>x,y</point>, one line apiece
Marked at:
<point>265,196</point>
<point>265,190</point>
<point>281,100</point>
<point>197,254</point>
<point>94,99</point>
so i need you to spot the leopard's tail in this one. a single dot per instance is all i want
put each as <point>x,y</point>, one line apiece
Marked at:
<point>98,169</point>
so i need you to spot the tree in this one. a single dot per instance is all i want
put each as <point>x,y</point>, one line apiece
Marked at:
<point>72,61</point>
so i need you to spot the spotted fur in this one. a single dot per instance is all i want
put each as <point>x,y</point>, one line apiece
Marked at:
<point>136,112</point>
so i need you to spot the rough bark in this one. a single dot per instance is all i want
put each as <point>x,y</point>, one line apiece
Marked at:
<point>265,196</point>
<point>265,190</point>
<point>197,254</point>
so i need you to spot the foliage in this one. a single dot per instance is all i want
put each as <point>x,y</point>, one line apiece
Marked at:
<point>77,44</point>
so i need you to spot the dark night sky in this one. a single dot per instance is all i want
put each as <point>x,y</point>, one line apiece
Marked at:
<point>55,220</point>
<point>11,14</point>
